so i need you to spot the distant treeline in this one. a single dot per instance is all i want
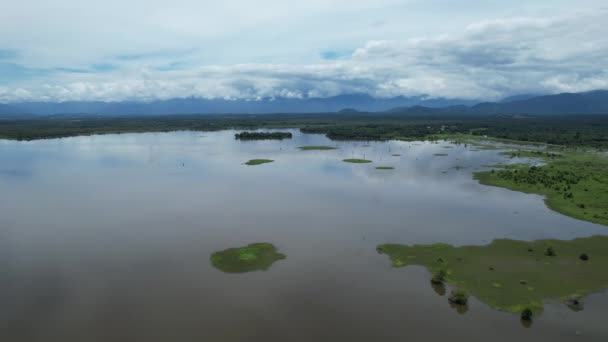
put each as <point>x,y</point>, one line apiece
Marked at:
<point>263,136</point>
<point>571,130</point>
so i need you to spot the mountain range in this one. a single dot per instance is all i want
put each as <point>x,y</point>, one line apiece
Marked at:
<point>594,102</point>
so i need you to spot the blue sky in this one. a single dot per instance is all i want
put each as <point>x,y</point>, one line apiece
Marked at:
<point>61,50</point>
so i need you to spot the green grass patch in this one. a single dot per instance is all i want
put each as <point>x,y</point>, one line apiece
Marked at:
<point>317,148</point>
<point>254,257</point>
<point>357,161</point>
<point>574,184</point>
<point>440,154</point>
<point>258,161</point>
<point>512,275</point>
<point>385,168</point>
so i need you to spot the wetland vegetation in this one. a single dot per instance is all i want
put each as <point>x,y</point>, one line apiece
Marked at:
<point>317,148</point>
<point>567,130</point>
<point>357,161</point>
<point>510,275</point>
<point>253,257</point>
<point>254,162</point>
<point>574,183</point>
<point>263,135</point>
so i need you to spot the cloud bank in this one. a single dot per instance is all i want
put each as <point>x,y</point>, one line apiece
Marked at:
<point>486,59</point>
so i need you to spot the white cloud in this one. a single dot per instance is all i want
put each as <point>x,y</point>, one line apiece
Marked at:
<point>237,49</point>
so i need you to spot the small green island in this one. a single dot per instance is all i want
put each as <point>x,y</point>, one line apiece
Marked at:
<point>263,136</point>
<point>357,161</point>
<point>259,161</point>
<point>514,276</point>
<point>253,257</point>
<point>440,154</point>
<point>385,168</point>
<point>317,148</point>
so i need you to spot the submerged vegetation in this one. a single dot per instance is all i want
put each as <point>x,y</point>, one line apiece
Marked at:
<point>263,135</point>
<point>254,257</point>
<point>573,183</point>
<point>258,161</point>
<point>385,168</point>
<point>317,148</point>
<point>510,275</point>
<point>357,161</point>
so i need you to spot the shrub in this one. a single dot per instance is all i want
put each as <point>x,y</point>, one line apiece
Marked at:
<point>550,252</point>
<point>459,297</point>
<point>584,257</point>
<point>438,277</point>
<point>526,315</point>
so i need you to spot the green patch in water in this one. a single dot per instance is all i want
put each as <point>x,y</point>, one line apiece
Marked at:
<point>317,148</point>
<point>259,161</point>
<point>357,161</point>
<point>512,275</point>
<point>574,184</point>
<point>253,257</point>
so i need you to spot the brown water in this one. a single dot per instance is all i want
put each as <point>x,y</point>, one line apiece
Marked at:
<point>107,238</point>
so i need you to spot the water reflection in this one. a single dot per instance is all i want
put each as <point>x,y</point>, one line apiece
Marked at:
<point>107,238</point>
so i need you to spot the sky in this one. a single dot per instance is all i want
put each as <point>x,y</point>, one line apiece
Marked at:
<point>142,50</point>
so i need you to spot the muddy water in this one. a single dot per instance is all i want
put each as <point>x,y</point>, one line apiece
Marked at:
<point>107,238</point>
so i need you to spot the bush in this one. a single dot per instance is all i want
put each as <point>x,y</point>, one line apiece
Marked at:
<point>526,315</point>
<point>439,277</point>
<point>459,297</point>
<point>550,252</point>
<point>584,257</point>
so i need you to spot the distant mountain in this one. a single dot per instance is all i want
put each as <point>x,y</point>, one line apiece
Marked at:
<point>51,108</point>
<point>594,102</point>
<point>358,102</point>
<point>520,97</point>
<point>10,112</point>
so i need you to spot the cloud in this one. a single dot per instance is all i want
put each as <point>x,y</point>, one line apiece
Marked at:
<point>487,59</point>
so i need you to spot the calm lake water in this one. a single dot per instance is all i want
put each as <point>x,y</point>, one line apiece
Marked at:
<point>108,238</point>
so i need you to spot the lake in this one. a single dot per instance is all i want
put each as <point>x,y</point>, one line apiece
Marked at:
<point>108,238</point>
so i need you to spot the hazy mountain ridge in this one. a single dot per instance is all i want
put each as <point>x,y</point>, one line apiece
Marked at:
<point>593,102</point>
<point>359,102</point>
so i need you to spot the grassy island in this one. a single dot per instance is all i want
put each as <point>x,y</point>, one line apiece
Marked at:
<point>263,135</point>
<point>254,257</point>
<point>357,161</point>
<point>573,183</point>
<point>385,168</point>
<point>440,154</point>
<point>511,275</point>
<point>317,148</point>
<point>259,161</point>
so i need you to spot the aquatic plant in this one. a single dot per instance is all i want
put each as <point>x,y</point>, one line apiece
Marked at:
<point>511,275</point>
<point>253,257</point>
<point>317,148</point>
<point>259,161</point>
<point>357,161</point>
